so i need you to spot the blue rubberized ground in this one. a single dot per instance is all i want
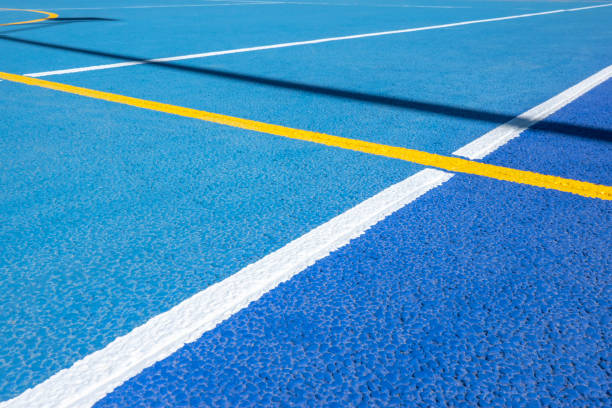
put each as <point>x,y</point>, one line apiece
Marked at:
<point>432,90</point>
<point>96,246</point>
<point>480,293</point>
<point>110,215</point>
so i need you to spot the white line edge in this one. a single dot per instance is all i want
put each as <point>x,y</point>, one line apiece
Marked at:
<point>299,43</point>
<point>241,3</point>
<point>501,135</point>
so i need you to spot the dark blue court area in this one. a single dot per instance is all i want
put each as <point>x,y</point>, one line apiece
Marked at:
<point>156,251</point>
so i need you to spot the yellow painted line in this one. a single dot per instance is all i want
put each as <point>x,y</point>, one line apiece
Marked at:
<point>49,16</point>
<point>453,164</point>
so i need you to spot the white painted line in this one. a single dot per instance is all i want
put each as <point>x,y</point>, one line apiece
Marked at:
<point>241,3</point>
<point>374,5</point>
<point>501,135</point>
<point>255,2</point>
<point>96,375</point>
<point>437,7</point>
<point>91,378</point>
<point>300,43</point>
<point>312,3</point>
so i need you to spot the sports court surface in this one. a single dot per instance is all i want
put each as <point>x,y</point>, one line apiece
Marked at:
<point>305,203</point>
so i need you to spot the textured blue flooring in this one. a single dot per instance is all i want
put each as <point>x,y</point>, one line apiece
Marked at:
<point>110,215</point>
<point>399,89</point>
<point>584,156</point>
<point>479,293</point>
<point>160,32</point>
<point>111,220</point>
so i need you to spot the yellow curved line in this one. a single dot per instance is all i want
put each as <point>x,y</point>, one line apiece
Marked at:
<point>49,16</point>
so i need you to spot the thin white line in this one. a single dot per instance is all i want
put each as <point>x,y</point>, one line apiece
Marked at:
<point>242,3</point>
<point>299,43</point>
<point>374,5</point>
<point>91,378</point>
<point>312,3</point>
<point>501,135</point>
<point>438,7</point>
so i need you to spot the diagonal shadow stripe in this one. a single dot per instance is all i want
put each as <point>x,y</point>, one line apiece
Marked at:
<point>56,22</point>
<point>588,132</point>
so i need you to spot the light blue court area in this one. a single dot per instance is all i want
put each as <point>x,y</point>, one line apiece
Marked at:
<point>11,16</point>
<point>147,31</point>
<point>111,215</point>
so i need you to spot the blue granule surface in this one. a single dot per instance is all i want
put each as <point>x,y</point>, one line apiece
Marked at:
<point>480,293</point>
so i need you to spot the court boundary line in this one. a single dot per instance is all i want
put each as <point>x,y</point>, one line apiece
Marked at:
<point>257,3</point>
<point>154,6</point>
<point>300,43</point>
<point>448,163</point>
<point>88,380</point>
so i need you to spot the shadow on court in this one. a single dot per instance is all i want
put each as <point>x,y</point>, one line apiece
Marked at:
<point>55,22</point>
<point>587,132</point>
